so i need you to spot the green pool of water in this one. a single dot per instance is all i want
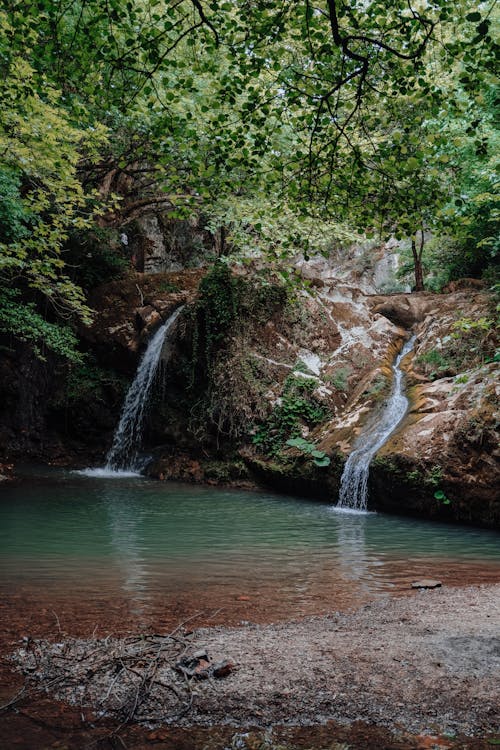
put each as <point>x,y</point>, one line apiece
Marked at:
<point>145,539</point>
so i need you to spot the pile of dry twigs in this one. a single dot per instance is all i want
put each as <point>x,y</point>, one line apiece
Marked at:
<point>151,679</point>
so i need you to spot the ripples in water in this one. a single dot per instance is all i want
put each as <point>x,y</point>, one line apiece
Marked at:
<point>99,537</point>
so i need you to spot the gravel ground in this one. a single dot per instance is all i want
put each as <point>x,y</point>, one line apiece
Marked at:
<point>424,663</point>
<point>427,662</point>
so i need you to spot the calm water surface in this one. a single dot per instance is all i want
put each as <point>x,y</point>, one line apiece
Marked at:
<point>152,544</point>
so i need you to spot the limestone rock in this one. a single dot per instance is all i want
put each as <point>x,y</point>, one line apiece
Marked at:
<point>426,583</point>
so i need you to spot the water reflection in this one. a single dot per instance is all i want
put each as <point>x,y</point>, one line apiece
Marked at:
<point>351,543</point>
<point>150,541</point>
<point>124,520</point>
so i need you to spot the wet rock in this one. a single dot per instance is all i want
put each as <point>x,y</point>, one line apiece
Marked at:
<point>426,583</point>
<point>147,316</point>
<point>444,461</point>
<point>197,665</point>
<point>222,669</point>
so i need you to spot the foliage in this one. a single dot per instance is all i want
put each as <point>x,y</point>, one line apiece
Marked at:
<point>40,150</point>
<point>212,315</point>
<point>339,379</point>
<point>296,407</point>
<point>285,124</point>
<point>94,256</point>
<point>233,396</point>
<point>309,449</point>
<point>377,387</point>
<point>227,304</point>
<point>168,286</point>
<point>430,478</point>
<point>22,321</point>
<point>255,226</point>
<point>226,384</point>
<point>470,343</point>
<point>88,380</point>
<point>440,495</point>
<point>435,363</point>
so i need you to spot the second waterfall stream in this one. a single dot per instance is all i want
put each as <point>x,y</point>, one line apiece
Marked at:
<point>354,481</point>
<point>124,454</point>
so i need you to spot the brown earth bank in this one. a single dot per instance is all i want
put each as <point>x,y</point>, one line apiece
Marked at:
<point>415,672</point>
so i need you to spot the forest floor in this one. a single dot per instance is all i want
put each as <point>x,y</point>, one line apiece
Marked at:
<point>421,671</point>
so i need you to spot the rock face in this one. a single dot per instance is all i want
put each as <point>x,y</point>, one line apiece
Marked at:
<point>318,366</point>
<point>443,460</point>
<point>129,309</point>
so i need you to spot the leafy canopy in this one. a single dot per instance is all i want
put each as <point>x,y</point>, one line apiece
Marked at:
<point>256,112</point>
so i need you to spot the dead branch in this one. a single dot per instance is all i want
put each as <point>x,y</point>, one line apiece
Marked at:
<point>149,677</point>
<point>18,696</point>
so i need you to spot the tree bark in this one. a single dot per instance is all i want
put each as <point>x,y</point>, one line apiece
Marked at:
<point>417,262</point>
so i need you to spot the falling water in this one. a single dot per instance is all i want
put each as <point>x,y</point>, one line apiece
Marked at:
<point>124,453</point>
<point>354,482</point>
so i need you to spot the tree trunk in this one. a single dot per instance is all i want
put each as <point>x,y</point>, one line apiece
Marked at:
<point>417,263</point>
<point>220,242</point>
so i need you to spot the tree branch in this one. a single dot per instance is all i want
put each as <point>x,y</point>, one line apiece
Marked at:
<point>197,4</point>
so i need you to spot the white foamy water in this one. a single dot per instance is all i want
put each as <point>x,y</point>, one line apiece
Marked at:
<point>104,473</point>
<point>354,482</point>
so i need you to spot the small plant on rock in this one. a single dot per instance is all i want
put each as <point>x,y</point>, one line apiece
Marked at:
<point>309,449</point>
<point>297,406</point>
<point>441,497</point>
<point>339,379</point>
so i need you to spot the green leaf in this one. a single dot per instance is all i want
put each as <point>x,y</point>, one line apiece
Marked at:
<point>483,27</point>
<point>322,461</point>
<point>297,442</point>
<point>318,454</point>
<point>412,163</point>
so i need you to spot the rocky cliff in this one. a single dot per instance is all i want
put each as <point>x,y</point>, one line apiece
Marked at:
<point>319,366</point>
<point>254,365</point>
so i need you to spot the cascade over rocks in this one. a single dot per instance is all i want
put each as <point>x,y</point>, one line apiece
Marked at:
<point>449,441</point>
<point>326,358</point>
<point>443,460</point>
<point>342,342</point>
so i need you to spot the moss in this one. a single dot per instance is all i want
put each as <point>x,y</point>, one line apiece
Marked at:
<point>378,387</point>
<point>225,471</point>
<point>340,378</point>
<point>168,286</point>
<point>420,478</point>
<point>220,388</point>
<point>297,477</point>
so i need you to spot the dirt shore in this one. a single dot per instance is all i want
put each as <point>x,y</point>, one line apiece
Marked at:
<point>426,663</point>
<point>404,672</point>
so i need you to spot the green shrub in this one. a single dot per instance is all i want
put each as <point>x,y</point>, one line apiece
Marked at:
<point>297,406</point>
<point>96,256</point>
<point>21,320</point>
<point>168,286</point>
<point>309,449</point>
<point>339,379</point>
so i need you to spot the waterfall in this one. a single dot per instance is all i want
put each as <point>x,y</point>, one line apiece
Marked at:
<point>354,481</point>
<point>124,452</point>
